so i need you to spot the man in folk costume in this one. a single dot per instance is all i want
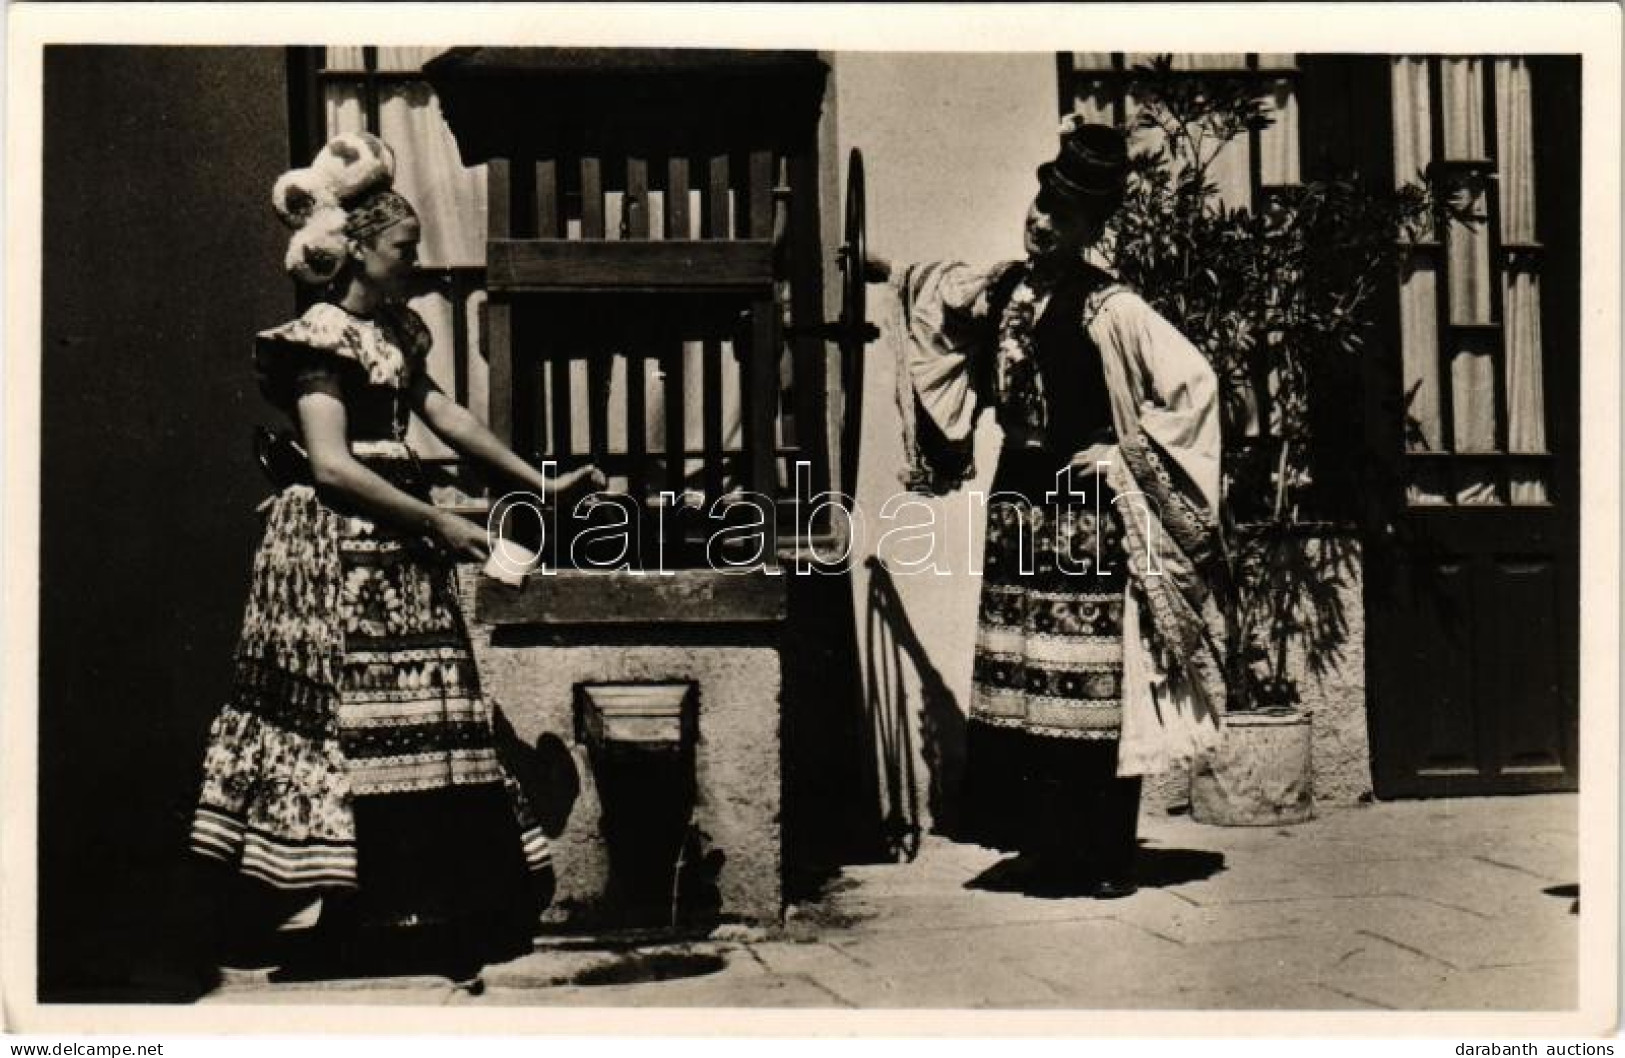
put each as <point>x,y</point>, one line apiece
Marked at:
<point>1093,664</point>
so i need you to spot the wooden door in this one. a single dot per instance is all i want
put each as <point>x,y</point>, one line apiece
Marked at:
<point>1472,535</point>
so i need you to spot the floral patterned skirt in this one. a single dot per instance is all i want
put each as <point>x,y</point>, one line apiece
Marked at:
<point>356,748</point>
<point>1046,694</point>
<point>1049,632</point>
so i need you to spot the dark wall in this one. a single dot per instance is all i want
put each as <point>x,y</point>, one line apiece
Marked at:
<point>161,258</point>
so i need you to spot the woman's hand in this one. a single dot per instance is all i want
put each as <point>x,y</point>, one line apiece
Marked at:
<point>461,537</point>
<point>587,477</point>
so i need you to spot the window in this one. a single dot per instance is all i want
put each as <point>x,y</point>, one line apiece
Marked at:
<point>1470,304</point>
<point>1100,86</point>
<point>379,90</point>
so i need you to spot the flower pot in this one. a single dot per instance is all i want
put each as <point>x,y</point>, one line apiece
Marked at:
<point>1261,775</point>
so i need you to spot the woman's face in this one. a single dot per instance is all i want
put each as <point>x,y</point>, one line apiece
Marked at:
<point>389,259</point>
<point>1053,230</point>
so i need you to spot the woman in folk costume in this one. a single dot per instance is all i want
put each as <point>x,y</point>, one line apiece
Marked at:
<point>1093,666</point>
<point>356,759</point>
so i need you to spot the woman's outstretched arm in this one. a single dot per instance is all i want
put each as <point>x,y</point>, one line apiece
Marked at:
<point>458,427</point>
<point>324,424</point>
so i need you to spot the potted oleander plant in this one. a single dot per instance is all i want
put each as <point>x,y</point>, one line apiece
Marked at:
<point>1280,297</point>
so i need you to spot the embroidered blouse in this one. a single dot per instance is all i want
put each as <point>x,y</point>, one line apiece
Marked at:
<point>375,358</point>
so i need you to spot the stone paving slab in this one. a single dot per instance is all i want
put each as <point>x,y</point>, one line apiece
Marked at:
<point>1308,919</point>
<point>1274,974</point>
<point>1555,863</point>
<point>1512,941</point>
<point>1540,986</point>
<point>953,907</point>
<point>1099,947</point>
<point>1467,883</point>
<point>1257,995</point>
<point>1328,960</point>
<point>990,985</point>
<point>339,993</point>
<point>790,958</point>
<point>1410,906</point>
<point>788,991</point>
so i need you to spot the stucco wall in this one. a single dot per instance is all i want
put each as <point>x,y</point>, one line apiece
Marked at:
<point>161,259</point>
<point>950,146</point>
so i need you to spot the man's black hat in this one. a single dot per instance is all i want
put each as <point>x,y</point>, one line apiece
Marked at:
<point>1091,167</point>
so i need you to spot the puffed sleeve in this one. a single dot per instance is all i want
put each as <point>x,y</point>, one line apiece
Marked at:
<point>326,340</point>
<point>321,344</point>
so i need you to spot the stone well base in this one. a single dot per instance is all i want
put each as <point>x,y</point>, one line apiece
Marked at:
<point>533,671</point>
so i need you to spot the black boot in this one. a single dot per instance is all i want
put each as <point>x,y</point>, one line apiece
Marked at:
<point>1118,803</point>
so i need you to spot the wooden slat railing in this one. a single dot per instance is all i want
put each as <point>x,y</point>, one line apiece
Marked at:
<point>688,327</point>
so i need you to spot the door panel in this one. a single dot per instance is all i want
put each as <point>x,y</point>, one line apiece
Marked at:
<point>1471,411</point>
<point>1468,651</point>
<point>1526,656</point>
<point>1443,666</point>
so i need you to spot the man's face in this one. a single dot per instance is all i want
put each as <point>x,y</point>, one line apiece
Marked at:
<point>1053,229</point>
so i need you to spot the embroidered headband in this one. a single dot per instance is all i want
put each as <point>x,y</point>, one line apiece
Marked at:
<point>379,211</point>
<point>345,195</point>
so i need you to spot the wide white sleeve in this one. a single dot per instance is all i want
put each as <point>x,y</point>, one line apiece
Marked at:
<point>1165,398</point>
<point>1175,391</point>
<point>944,333</point>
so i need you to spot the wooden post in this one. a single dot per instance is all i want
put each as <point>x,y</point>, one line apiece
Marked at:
<point>761,406</point>
<point>499,336</point>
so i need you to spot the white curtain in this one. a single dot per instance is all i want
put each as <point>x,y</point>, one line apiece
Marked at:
<point>1526,394</point>
<point>1278,144</point>
<point>1094,101</point>
<point>1091,60</point>
<point>1472,366</point>
<point>1462,84</point>
<point>1419,284</point>
<point>1230,169</point>
<point>1227,169</point>
<point>1472,361</point>
<point>1195,60</point>
<point>449,197</point>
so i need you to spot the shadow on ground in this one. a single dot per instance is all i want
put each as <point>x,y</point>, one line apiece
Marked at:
<point>639,967</point>
<point>1155,868</point>
<point>1566,892</point>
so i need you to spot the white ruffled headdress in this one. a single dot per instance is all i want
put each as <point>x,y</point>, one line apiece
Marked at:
<point>312,201</point>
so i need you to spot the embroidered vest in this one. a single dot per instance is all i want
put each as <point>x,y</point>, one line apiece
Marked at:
<point>1080,411</point>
